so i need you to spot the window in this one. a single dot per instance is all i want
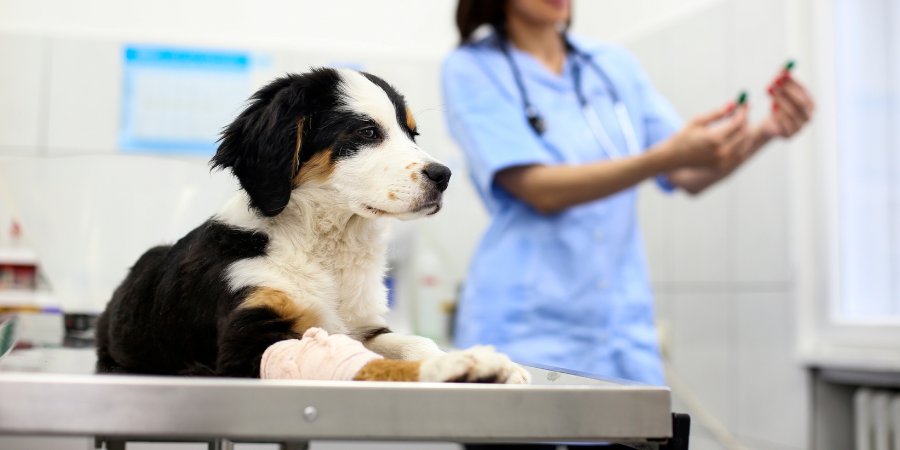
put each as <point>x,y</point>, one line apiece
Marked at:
<point>867,103</point>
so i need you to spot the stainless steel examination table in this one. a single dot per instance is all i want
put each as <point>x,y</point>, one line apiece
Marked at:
<point>49,389</point>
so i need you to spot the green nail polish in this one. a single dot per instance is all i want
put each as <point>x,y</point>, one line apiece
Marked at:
<point>789,65</point>
<point>742,98</point>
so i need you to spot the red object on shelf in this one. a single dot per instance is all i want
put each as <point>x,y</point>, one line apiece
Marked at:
<point>18,265</point>
<point>18,276</point>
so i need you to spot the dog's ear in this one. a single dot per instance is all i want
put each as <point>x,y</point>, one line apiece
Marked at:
<point>261,144</point>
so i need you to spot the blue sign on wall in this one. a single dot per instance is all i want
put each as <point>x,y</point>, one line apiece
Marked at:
<point>177,100</point>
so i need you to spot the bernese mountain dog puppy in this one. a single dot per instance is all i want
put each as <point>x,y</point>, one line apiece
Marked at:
<point>322,158</point>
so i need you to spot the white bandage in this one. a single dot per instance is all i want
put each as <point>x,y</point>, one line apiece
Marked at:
<point>316,356</point>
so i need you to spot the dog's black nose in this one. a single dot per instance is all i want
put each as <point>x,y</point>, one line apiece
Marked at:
<point>438,173</point>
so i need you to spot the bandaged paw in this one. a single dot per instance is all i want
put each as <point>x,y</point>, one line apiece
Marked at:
<point>481,364</point>
<point>316,356</point>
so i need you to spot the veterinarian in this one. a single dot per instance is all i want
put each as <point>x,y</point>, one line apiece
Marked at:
<point>558,132</point>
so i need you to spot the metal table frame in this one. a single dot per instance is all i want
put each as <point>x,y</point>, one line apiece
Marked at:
<point>559,407</point>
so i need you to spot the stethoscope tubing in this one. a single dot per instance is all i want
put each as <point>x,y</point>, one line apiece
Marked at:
<point>623,118</point>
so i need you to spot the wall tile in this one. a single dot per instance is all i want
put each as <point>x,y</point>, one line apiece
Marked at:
<point>760,232</point>
<point>702,350</point>
<point>771,398</point>
<point>85,87</point>
<point>21,88</point>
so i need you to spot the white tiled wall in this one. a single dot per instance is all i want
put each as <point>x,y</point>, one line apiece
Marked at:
<point>760,223</point>
<point>720,262</point>
<point>735,354</point>
<point>766,370</point>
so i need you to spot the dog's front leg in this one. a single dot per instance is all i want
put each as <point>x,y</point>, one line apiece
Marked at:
<point>398,346</point>
<point>477,364</point>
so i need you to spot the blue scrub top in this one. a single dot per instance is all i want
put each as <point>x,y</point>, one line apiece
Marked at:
<point>571,289</point>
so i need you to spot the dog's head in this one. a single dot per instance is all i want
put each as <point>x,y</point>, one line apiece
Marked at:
<point>347,132</point>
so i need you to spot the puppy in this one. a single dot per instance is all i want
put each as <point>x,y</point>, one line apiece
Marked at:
<point>321,158</point>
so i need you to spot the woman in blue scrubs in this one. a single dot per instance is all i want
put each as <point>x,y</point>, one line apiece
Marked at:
<point>557,132</point>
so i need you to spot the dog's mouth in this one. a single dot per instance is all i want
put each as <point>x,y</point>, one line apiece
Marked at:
<point>432,204</point>
<point>430,208</point>
<point>376,211</point>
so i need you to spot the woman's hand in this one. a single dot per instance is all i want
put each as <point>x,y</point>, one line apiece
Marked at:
<point>703,143</point>
<point>707,152</point>
<point>792,108</point>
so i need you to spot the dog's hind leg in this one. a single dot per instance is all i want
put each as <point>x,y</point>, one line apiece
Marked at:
<point>264,317</point>
<point>105,361</point>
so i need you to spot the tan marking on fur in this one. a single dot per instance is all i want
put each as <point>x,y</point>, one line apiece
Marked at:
<point>286,308</point>
<point>410,120</point>
<point>389,370</point>
<point>318,168</point>
<point>410,166</point>
<point>414,176</point>
<point>392,195</point>
<point>299,144</point>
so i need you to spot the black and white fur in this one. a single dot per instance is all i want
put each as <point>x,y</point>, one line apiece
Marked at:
<point>321,158</point>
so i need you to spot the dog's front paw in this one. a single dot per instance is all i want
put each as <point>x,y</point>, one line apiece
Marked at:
<point>518,375</point>
<point>474,365</point>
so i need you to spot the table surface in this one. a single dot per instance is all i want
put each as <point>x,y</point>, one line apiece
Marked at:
<point>49,389</point>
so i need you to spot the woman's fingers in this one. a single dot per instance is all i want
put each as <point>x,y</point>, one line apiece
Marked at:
<point>733,152</point>
<point>791,115</point>
<point>790,107</point>
<point>736,139</point>
<point>738,123</point>
<point>732,138</point>
<point>793,105</point>
<point>797,98</point>
<point>732,127</point>
<point>716,115</point>
<point>801,95</point>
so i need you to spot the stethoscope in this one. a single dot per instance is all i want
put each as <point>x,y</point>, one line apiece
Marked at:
<point>538,124</point>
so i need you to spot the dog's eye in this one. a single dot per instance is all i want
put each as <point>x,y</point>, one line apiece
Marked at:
<point>369,132</point>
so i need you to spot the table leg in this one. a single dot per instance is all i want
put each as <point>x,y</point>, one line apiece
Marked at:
<point>221,444</point>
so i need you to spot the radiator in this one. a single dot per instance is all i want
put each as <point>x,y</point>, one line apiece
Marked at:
<point>877,416</point>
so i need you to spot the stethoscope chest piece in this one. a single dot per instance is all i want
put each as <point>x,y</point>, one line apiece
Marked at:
<point>535,120</point>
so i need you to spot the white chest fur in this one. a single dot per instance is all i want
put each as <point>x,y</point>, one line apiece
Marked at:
<point>332,262</point>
